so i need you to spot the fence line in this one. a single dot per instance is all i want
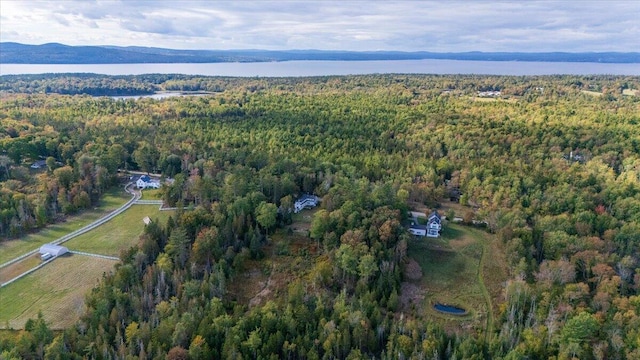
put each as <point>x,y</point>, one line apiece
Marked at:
<point>95,255</point>
<point>27,272</point>
<point>82,230</point>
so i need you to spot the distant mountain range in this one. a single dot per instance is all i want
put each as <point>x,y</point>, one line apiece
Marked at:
<point>53,53</point>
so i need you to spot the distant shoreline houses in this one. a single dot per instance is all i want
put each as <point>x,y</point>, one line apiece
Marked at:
<point>39,164</point>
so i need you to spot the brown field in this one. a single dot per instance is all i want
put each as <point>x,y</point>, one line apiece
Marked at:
<point>9,272</point>
<point>57,290</point>
<point>494,270</point>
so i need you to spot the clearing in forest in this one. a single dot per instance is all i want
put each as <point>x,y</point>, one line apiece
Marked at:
<point>301,222</point>
<point>286,259</point>
<point>455,271</point>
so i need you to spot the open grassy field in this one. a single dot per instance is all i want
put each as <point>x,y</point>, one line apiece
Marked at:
<point>454,272</point>
<point>110,201</point>
<point>301,222</point>
<point>151,194</point>
<point>57,290</point>
<point>9,272</point>
<point>119,233</point>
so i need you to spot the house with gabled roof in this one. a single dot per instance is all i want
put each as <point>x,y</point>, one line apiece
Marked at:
<point>305,202</point>
<point>431,229</point>
<point>146,182</point>
<point>434,225</point>
<point>418,230</point>
<point>39,164</point>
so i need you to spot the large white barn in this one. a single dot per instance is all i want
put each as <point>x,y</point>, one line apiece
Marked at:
<point>53,250</point>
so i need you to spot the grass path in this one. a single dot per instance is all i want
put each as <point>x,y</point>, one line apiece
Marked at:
<point>483,259</point>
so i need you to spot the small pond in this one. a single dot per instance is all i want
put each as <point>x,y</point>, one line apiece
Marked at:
<point>448,309</point>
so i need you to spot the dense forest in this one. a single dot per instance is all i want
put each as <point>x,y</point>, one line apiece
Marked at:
<point>551,165</point>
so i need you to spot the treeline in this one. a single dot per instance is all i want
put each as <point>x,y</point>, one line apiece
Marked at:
<point>123,85</point>
<point>554,172</point>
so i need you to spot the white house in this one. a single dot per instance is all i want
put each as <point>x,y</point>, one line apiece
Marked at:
<point>39,164</point>
<point>432,229</point>
<point>418,230</point>
<point>305,202</point>
<point>434,225</point>
<point>145,182</point>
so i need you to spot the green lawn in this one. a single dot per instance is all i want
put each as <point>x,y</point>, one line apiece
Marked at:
<point>119,233</point>
<point>450,266</point>
<point>57,289</point>
<point>109,202</point>
<point>151,194</point>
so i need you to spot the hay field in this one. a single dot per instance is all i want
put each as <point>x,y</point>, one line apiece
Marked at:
<point>120,233</point>
<point>57,289</point>
<point>112,200</point>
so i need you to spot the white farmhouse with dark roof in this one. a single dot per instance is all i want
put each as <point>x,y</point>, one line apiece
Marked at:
<point>434,225</point>
<point>432,229</point>
<point>145,181</point>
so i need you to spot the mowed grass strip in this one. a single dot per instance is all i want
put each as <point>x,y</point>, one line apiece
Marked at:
<point>112,200</point>
<point>57,289</point>
<point>119,233</point>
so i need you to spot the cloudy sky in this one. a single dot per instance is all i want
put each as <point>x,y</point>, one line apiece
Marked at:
<point>520,25</point>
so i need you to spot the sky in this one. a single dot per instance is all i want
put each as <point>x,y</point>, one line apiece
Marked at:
<point>438,26</point>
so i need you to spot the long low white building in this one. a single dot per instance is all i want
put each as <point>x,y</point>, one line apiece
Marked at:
<point>53,250</point>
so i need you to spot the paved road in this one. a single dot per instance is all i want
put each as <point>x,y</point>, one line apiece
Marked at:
<point>129,188</point>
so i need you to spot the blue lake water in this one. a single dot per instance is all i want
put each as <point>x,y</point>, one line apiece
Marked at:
<point>326,68</point>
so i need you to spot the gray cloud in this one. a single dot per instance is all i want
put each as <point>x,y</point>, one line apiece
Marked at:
<point>345,25</point>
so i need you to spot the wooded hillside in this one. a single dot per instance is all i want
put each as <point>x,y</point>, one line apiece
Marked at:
<point>553,171</point>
